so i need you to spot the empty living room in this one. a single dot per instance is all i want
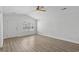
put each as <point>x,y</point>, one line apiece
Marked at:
<point>39,28</point>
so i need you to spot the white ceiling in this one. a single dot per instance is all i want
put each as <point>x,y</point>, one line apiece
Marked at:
<point>50,10</point>
<point>18,9</point>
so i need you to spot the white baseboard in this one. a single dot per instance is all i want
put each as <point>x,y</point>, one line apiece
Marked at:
<point>19,36</point>
<point>77,42</point>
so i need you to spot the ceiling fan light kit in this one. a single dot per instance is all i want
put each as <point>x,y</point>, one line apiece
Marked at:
<point>40,8</point>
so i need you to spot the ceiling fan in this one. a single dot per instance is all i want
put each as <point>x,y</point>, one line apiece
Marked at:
<point>40,8</point>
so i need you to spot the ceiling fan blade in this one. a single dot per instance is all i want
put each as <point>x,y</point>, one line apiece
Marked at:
<point>40,8</point>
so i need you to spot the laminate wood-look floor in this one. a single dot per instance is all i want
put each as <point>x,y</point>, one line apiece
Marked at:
<point>38,43</point>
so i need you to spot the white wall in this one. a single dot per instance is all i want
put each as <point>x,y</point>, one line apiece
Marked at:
<point>1,27</point>
<point>60,24</point>
<point>14,23</point>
